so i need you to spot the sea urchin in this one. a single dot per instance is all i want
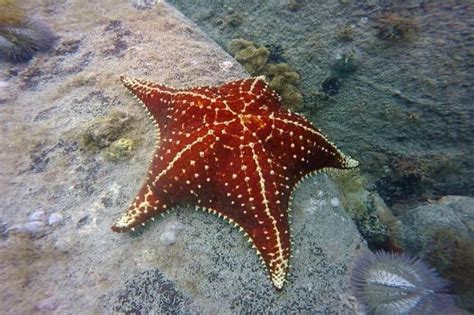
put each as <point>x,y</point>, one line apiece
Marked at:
<point>397,284</point>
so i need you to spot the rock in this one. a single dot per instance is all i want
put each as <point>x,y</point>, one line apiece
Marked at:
<point>55,219</point>
<point>35,228</point>
<point>212,266</point>
<point>168,237</point>
<point>47,305</point>
<point>420,224</point>
<point>38,216</point>
<point>89,269</point>
<point>442,234</point>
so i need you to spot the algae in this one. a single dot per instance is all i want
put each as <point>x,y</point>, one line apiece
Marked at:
<point>372,217</point>
<point>453,257</point>
<point>111,135</point>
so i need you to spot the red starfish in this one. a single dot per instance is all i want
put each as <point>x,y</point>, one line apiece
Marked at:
<point>234,151</point>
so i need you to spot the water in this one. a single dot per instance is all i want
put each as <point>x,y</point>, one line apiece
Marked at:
<point>390,83</point>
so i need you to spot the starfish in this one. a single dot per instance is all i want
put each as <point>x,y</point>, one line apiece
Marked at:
<point>234,151</point>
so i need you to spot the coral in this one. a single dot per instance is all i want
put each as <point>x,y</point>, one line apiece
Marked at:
<point>396,284</point>
<point>251,56</point>
<point>101,132</point>
<point>21,36</point>
<point>393,27</point>
<point>453,256</point>
<point>111,135</point>
<point>283,79</point>
<point>120,149</point>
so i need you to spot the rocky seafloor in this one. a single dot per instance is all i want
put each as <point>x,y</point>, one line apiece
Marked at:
<point>63,184</point>
<point>76,147</point>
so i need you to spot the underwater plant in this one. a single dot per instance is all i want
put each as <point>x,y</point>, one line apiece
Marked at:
<point>20,35</point>
<point>397,284</point>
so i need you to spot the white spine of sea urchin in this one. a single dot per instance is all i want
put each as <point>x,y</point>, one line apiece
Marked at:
<point>396,284</point>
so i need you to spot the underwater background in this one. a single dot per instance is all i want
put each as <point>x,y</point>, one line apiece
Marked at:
<point>389,82</point>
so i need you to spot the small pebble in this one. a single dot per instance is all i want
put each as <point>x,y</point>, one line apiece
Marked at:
<point>49,304</point>
<point>37,216</point>
<point>35,228</point>
<point>226,65</point>
<point>335,202</point>
<point>171,231</point>
<point>55,219</point>
<point>168,238</point>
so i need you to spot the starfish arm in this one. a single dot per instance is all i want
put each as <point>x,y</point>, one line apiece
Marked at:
<point>304,149</point>
<point>250,196</point>
<point>146,205</point>
<point>156,98</point>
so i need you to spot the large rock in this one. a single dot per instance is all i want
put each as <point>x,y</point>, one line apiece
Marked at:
<point>420,224</point>
<point>187,262</point>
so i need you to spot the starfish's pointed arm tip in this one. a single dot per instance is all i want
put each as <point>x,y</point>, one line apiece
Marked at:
<point>351,163</point>
<point>123,225</point>
<point>118,229</point>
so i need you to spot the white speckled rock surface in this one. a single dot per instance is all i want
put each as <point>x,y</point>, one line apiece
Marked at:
<point>79,266</point>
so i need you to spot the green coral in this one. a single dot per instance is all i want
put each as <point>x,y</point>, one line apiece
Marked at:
<point>102,131</point>
<point>372,217</point>
<point>346,33</point>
